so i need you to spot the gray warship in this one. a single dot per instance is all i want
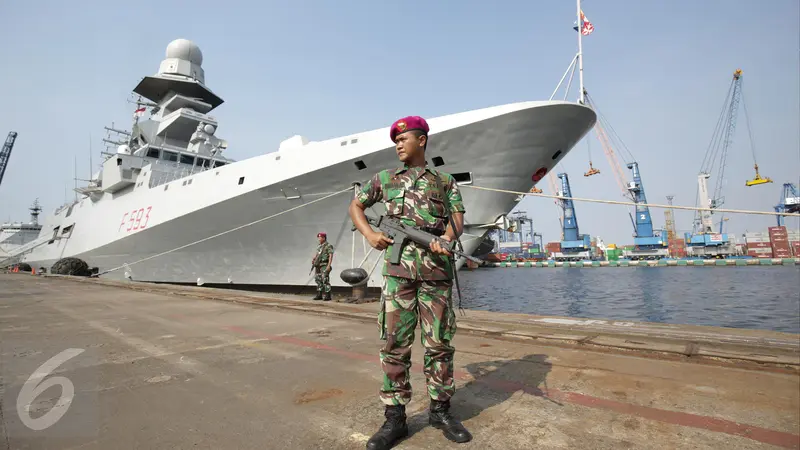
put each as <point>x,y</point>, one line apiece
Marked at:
<point>14,235</point>
<point>169,205</point>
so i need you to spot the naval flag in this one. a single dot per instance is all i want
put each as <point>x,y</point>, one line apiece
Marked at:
<point>139,112</point>
<point>586,26</point>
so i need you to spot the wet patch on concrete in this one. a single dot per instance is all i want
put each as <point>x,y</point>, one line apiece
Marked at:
<point>315,395</point>
<point>159,379</point>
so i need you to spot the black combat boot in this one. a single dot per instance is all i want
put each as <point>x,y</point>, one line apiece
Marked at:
<point>440,418</point>
<point>319,296</point>
<point>392,430</point>
<point>327,296</point>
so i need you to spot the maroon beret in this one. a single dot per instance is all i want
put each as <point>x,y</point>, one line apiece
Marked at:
<point>322,234</point>
<point>407,124</point>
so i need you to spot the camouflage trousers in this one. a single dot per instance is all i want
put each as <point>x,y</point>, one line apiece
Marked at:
<point>404,303</point>
<point>323,279</point>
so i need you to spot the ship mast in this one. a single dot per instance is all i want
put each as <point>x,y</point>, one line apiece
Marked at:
<point>580,52</point>
<point>35,210</point>
<point>576,63</point>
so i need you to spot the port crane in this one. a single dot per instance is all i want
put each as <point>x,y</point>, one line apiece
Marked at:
<point>5,153</point>
<point>669,219</point>
<point>649,243</point>
<point>788,203</point>
<point>704,241</point>
<point>574,246</point>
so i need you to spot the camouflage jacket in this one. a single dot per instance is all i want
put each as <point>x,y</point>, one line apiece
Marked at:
<point>411,194</point>
<point>324,253</point>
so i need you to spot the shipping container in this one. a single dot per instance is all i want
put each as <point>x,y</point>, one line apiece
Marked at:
<point>780,228</point>
<point>759,245</point>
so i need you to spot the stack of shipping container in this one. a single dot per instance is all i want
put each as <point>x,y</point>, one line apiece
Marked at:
<point>777,242</point>
<point>677,248</point>
<point>614,254</point>
<point>779,239</point>
<point>758,245</point>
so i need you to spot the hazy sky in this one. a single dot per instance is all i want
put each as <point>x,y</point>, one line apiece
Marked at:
<point>659,72</point>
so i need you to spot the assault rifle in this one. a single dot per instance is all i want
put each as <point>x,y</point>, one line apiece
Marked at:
<point>401,233</point>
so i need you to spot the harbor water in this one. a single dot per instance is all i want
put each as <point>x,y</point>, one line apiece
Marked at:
<point>739,297</point>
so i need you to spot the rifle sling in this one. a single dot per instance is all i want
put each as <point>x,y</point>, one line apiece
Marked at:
<point>452,223</point>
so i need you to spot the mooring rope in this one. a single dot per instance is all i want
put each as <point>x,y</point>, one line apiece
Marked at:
<point>617,202</point>
<point>224,232</point>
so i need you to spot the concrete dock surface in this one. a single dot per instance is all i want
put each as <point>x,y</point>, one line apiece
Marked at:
<point>94,364</point>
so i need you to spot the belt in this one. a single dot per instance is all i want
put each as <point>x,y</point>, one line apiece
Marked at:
<point>434,231</point>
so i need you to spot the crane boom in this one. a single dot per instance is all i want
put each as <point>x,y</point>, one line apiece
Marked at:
<point>5,153</point>
<point>717,154</point>
<point>608,150</point>
<point>571,231</point>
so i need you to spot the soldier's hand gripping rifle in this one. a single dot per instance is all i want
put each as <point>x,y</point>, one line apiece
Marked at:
<point>401,233</point>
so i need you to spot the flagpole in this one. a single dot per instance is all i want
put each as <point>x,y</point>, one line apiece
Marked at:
<point>580,53</point>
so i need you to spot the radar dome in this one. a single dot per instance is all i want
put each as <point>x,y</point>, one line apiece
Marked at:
<point>186,50</point>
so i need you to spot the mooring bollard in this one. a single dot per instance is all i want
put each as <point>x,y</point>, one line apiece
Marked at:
<point>359,293</point>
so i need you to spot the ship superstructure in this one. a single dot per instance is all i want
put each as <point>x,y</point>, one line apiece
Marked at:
<point>14,235</point>
<point>169,207</point>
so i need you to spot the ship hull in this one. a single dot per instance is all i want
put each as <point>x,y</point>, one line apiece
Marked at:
<point>499,152</point>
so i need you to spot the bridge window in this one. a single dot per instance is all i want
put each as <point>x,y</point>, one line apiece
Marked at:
<point>152,152</point>
<point>203,162</point>
<point>169,156</point>
<point>187,159</point>
<point>55,234</point>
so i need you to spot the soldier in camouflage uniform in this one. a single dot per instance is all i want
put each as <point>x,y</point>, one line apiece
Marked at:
<point>322,267</point>
<point>420,287</point>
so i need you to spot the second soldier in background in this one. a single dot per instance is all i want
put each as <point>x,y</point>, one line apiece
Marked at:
<point>322,267</point>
